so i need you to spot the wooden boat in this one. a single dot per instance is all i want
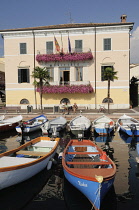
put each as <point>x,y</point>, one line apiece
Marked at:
<point>88,169</point>
<point>103,125</point>
<point>57,124</point>
<point>32,125</point>
<point>128,125</point>
<point>20,164</point>
<point>79,125</point>
<point>10,123</point>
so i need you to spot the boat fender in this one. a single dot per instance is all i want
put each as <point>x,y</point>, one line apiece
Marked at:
<point>103,157</point>
<point>111,123</point>
<point>60,155</point>
<point>49,165</point>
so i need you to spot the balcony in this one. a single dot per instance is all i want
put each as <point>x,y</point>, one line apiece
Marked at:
<point>70,87</point>
<point>75,55</point>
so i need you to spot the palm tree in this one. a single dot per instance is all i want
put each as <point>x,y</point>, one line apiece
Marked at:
<point>41,77</point>
<point>109,74</point>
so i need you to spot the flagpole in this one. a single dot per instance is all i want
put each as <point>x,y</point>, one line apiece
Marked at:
<point>61,44</point>
<point>69,44</point>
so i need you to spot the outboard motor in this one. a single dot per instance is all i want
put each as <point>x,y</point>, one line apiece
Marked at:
<point>107,126</point>
<point>133,128</point>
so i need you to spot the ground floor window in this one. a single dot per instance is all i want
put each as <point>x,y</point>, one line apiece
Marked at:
<point>23,76</point>
<point>105,100</point>
<point>65,101</point>
<point>24,101</point>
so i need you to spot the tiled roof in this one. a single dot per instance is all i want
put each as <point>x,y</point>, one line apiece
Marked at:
<point>70,25</point>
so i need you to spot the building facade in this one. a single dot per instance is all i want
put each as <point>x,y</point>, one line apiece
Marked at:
<point>76,56</point>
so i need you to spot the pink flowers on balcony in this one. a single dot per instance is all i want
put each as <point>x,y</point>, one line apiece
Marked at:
<point>67,89</point>
<point>64,57</point>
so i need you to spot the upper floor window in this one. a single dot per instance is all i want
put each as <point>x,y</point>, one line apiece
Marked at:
<point>49,47</point>
<point>23,76</point>
<point>78,45</point>
<point>51,73</point>
<point>107,44</point>
<point>102,72</point>
<point>23,48</point>
<point>79,74</point>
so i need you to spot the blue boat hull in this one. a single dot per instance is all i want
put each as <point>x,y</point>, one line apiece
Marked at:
<point>129,132</point>
<point>103,131</point>
<point>94,191</point>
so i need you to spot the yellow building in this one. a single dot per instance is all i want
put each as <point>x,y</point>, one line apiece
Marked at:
<point>76,63</point>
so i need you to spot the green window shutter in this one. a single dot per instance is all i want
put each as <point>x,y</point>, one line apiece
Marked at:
<point>23,48</point>
<point>102,73</point>
<point>19,75</point>
<point>49,47</point>
<point>107,44</point>
<point>78,45</point>
<point>28,76</point>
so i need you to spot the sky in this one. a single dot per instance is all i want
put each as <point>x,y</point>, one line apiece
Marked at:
<point>31,13</point>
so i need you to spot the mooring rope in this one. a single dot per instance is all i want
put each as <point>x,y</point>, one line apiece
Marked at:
<point>100,178</point>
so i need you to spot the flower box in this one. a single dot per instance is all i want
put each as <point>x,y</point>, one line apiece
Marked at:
<point>64,57</point>
<point>67,89</point>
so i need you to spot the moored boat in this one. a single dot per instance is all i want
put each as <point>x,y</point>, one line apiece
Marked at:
<point>128,125</point>
<point>57,124</point>
<point>103,125</point>
<point>20,164</point>
<point>79,125</point>
<point>10,123</point>
<point>88,169</point>
<point>33,124</point>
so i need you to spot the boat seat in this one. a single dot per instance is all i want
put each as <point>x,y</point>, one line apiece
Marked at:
<point>83,153</point>
<point>45,144</point>
<point>31,153</point>
<point>88,163</point>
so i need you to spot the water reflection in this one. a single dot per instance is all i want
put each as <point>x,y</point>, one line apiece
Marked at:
<point>46,188</point>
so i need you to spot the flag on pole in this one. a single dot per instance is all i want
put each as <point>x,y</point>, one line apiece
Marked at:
<point>56,45</point>
<point>69,44</point>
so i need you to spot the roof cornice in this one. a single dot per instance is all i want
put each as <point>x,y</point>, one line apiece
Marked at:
<point>69,26</point>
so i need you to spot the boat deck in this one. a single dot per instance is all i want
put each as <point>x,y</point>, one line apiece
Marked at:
<point>83,158</point>
<point>85,161</point>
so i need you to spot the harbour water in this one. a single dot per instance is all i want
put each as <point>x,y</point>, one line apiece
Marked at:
<point>48,190</point>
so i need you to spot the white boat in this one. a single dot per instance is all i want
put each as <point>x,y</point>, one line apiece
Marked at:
<point>103,125</point>
<point>22,163</point>
<point>79,125</point>
<point>10,123</point>
<point>55,125</point>
<point>32,125</point>
<point>128,125</point>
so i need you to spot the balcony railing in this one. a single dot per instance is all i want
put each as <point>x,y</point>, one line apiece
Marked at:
<point>70,83</point>
<point>64,50</point>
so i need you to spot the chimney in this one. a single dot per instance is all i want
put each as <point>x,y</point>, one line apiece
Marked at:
<point>123,18</point>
